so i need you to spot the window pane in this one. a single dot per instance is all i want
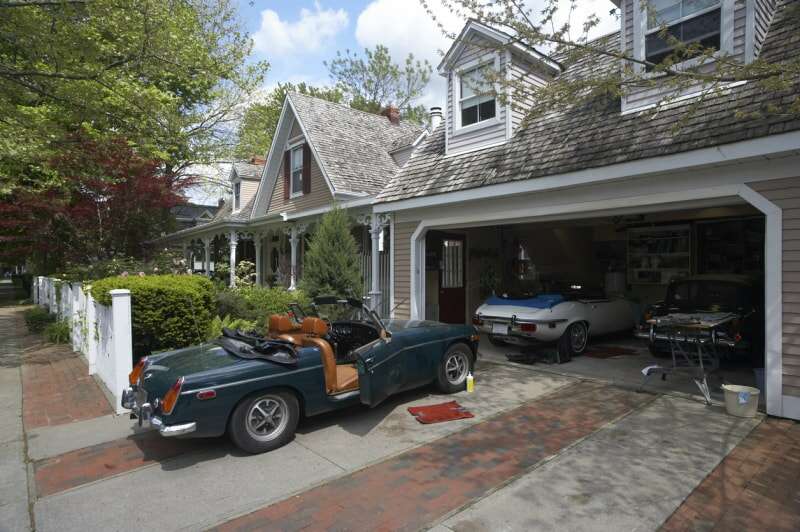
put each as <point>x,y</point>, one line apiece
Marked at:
<point>469,115</point>
<point>693,6</point>
<point>297,158</point>
<point>703,29</point>
<point>452,264</point>
<point>473,82</point>
<point>662,12</point>
<point>297,181</point>
<point>486,110</point>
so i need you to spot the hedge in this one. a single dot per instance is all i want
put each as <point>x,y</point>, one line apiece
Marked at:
<point>168,311</point>
<point>256,304</point>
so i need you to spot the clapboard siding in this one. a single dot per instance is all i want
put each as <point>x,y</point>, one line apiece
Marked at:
<point>296,131</point>
<point>522,71</point>
<point>645,96</point>
<point>458,141</point>
<point>402,268</point>
<point>764,10</point>
<point>785,193</point>
<point>248,190</point>
<point>320,194</point>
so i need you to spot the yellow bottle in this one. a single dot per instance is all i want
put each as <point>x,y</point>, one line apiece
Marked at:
<point>470,383</point>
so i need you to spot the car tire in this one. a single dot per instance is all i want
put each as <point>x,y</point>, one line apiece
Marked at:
<point>573,342</point>
<point>254,427</point>
<point>457,362</point>
<point>497,342</point>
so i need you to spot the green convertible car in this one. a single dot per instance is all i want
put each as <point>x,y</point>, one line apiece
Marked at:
<point>256,388</point>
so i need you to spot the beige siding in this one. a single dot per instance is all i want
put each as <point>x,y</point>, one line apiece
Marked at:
<point>296,131</point>
<point>320,195</point>
<point>785,193</point>
<point>521,70</point>
<point>249,189</point>
<point>402,268</point>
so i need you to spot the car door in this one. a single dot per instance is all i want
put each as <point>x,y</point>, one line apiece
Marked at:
<point>381,370</point>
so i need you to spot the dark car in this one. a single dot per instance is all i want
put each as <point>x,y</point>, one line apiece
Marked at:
<point>256,388</point>
<point>741,336</point>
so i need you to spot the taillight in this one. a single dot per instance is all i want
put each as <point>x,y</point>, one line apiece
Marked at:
<point>133,376</point>
<point>476,320</point>
<point>168,404</point>
<point>527,327</point>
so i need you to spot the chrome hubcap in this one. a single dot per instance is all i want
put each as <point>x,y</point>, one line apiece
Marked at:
<point>456,368</point>
<point>267,417</point>
<point>578,337</point>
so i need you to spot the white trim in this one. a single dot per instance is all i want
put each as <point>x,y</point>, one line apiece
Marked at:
<point>509,95</point>
<point>292,148</point>
<point>262,184</point>
<point>716,155</point>
<point>477,63</point>
<point>679,20</point>
<point>656,202</point>
<point>476,148</point>
<point>391,267</point>
<point>750,31</point>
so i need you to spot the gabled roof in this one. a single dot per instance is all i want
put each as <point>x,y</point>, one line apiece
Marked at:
<point>352,146</point>
<point>194,211</point>
<point>224,214</point>
<point>598,134</point>
<point>247,170</point>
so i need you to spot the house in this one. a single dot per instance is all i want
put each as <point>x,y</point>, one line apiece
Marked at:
<point>191,214</point>
<point>610,194</point>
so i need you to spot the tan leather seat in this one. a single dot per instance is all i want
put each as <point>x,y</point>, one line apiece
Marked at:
<point>282,328</point>
<point>338,378</point>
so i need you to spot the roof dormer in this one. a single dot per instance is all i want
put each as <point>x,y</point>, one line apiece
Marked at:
<point>475,116</point>
<point>244,178</point>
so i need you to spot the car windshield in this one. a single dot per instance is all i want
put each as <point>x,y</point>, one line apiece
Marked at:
<point>708,296</point>
<point>333,309</point>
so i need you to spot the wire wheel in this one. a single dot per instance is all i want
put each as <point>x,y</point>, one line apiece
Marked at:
<point>456,367</point>
<point>578,336</point>
<point>267,418</point>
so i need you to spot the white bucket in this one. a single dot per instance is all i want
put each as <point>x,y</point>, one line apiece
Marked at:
<point>741,401</point>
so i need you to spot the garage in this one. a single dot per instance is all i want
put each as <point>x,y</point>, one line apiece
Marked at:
<point>622,265</point>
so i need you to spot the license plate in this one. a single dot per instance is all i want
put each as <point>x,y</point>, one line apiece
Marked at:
<point>500,328</point>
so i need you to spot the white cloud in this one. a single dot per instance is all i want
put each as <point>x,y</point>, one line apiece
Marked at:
<point>405,27</point>
<point>307,34</point>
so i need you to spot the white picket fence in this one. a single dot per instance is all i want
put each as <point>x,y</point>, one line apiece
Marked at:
<point>103,335</point>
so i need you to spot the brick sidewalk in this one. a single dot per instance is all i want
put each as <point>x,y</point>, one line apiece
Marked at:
<point>756,487</point>
<point>417,488</point>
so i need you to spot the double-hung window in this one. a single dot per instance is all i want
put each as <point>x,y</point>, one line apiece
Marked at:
<point>237,195</point>
<point>476,105</point>
<point>688,21</point>
<point>297,171</point>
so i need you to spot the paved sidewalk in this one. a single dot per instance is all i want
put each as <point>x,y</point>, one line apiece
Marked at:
<point>757,487</point>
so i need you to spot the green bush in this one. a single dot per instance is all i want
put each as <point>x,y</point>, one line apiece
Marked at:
<point>256,304</point>
<point>166,261</point>
<point>37,318</point>
<point>168,311</point>
<point>217,324</point>
<point>58,332</point>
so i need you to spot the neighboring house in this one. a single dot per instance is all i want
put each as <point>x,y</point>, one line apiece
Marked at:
<point>604,194</point>
<point>191,214</point>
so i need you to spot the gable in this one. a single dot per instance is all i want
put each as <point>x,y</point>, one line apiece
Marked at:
<point>320,195</point>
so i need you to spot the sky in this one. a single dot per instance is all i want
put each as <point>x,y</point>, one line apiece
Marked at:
<point>296,36</point>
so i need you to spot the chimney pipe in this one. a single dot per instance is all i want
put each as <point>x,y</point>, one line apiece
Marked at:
<point>435,117</point>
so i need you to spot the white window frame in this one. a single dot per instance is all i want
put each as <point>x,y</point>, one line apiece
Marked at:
<point>237,195</point>
<point>292,147</point>
<point>641,31</point>
<point>466,67</point>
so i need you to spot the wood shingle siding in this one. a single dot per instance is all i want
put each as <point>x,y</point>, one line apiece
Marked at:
<point>402,268</point>
<point>785,193</point>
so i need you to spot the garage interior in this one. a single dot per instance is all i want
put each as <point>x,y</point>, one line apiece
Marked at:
<point>631,256</point>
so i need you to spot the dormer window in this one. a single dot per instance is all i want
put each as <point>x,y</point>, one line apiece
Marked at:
<point>297,171</point>
<point>689,21</point>
<point>237,195</point>
<point>474,104</point>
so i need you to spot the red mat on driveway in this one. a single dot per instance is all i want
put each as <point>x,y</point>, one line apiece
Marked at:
<point>438,413</point>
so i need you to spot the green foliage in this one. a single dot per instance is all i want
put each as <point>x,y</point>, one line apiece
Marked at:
<point>166,261</point>
<point>245,273</point>
<point>217,324</point>
<point>374,81</point>
<point>58,332</point>
<point>257,303</point>
<point>258,124</point>
<point>168,311</point>
<point>37,318</point>
<point>331,264</point>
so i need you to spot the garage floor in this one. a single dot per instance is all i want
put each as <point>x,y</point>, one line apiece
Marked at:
<point>619,361</point>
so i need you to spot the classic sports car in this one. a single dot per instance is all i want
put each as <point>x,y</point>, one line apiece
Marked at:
<point>568,318</point>
<point>256,388</point>
<point>734,302</point>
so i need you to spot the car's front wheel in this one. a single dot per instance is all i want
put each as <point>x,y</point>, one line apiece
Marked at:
<point>573,341</point>
<point>265,421</point>
<point>454,368</point>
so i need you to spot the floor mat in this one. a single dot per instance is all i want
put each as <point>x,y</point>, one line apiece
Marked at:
<point>609,351</point>
<point>439,413</point>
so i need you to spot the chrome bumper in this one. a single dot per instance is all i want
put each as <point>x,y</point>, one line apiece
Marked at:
<point>135,400</point>
<point>651,335</point>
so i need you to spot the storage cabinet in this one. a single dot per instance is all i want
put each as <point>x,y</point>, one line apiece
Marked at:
<point>658,254</point>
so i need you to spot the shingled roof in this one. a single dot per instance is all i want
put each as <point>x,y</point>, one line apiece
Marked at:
<point>248,170</point>
<point>598,134</point>
<point>353,146</point>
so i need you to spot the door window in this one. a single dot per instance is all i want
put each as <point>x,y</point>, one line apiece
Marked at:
<point>452,263</point>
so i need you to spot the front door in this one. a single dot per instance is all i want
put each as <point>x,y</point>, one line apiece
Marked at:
<point>452,294</point>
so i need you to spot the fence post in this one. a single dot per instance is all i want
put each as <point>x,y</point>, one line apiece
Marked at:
<point>122,338</point>
<point>90,330</point>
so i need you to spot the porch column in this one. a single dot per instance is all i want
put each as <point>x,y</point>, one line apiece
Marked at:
<point>257,245</point>
<point>207,256</point>
<point>294,239</point>
<point>377,223</point>
<point>234,241</point>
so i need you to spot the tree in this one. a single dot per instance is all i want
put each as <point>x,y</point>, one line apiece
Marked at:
<point>372,82</point>
<point>109,202</point>
<point>166,75</point>
<point>255,131</point>
<point>331,262</point>
<point>568,44</point>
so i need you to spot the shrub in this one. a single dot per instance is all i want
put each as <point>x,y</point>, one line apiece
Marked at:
<point>256,304</point>
<point>217,324</point>
<point>164,262</point>
<point>331,265</point>
<point>37,318</point>
<point>58,332</point>
<point>168,311</point>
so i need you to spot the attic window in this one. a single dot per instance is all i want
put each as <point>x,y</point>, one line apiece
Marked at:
<point>237,195</point>
<point>476,106</point>
<point>689,21</point>
<point>297,171</point>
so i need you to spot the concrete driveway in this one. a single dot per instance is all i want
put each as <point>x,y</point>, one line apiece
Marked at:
<point>543,452</point>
